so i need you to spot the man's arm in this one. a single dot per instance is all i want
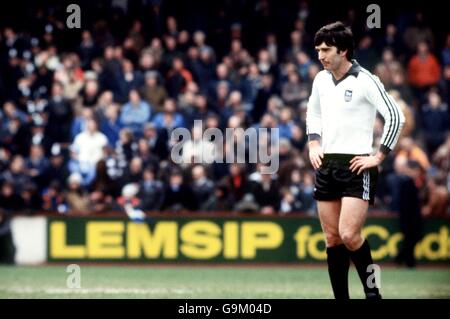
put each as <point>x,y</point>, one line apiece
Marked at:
<point>314,114</point>
<point>394,119</point>
<point>314,127</point>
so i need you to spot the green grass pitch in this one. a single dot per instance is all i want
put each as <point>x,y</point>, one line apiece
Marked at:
<point>212,282</point>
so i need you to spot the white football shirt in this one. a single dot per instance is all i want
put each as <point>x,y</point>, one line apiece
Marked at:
<point>343,112</point>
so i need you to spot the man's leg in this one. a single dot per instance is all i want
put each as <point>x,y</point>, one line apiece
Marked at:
<point>408,248</point>
<point>337,254</point>
<point>351,222</point>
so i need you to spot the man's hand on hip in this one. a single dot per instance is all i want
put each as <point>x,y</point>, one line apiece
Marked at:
<point>360,163</point>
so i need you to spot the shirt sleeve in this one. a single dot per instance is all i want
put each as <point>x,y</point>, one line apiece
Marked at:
<point>394,119</point>
<point>313,113</point>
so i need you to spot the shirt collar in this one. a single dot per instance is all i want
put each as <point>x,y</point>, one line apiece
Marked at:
<point>354,70</point>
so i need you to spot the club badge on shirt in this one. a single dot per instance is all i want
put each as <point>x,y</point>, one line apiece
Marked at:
<point>348,95</point>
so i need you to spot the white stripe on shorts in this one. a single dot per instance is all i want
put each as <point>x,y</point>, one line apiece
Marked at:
<point>366,185</point>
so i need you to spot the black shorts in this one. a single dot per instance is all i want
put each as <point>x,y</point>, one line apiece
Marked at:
<point>334,180</point>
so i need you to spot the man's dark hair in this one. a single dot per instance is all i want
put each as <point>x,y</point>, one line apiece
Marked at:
<point>338,35</point>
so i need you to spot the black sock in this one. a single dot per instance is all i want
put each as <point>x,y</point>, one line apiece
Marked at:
<point>338,259</point>
<point>362,258</point>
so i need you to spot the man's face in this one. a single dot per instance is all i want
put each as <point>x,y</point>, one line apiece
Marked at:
<point>176,180</point>
<point>91,126</point>
<point>329,56</point>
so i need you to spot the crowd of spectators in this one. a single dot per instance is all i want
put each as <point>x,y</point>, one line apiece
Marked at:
<point>86,128</point>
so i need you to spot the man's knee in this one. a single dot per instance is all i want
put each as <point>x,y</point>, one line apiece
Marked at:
<point>332,239</point>
<point>351,239</point>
